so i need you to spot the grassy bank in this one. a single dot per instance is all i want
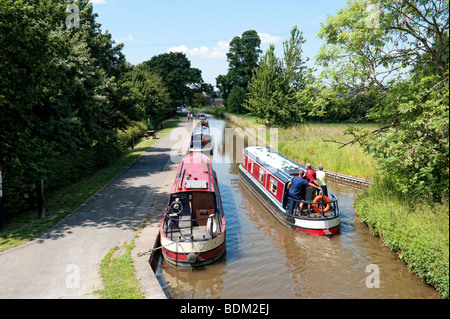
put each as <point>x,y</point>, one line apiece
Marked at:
<point>314,143</point>
<point>27,226</point>
<point>417,231</point>
<point>118,275</point>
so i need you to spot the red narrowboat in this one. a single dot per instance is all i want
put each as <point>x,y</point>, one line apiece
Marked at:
<point>267,175</point>
<point>192,230</point>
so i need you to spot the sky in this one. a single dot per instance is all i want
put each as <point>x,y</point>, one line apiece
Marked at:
<point>202,29</point>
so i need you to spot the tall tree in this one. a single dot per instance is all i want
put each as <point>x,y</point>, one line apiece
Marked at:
<point>400,50</point>
<point>242,58</point>
<point>180,78</point>
<point>273,93</point>
<point>150,93</point>
<point>58,90</point>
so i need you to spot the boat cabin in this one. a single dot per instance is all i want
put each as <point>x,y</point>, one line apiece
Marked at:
<point>201,139</point>
<point>195,202</point>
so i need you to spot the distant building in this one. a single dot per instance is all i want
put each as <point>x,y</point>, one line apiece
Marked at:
<point>218,101</point>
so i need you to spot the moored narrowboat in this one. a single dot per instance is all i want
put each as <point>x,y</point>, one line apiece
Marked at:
<point>201,140</point>
<point>192,231</point>
<point>267,174</point>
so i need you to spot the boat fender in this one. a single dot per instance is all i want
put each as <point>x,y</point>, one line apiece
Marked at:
<point>211,225</point>
<point>191,258</point>
<point>324,199</point>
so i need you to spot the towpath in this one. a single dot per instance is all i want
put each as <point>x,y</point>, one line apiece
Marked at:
<point>64,261</point>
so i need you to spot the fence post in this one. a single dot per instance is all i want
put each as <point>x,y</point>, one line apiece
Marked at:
<point>40,198</point>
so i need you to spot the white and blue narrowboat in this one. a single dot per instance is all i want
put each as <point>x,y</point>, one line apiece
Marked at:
<point>267,175</point>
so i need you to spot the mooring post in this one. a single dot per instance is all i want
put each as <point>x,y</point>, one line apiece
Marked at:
<point>40,198</point>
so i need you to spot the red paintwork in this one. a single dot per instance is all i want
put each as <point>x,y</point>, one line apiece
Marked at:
<point>195,165</point>
<point>319,232</point>
<point>182,257</point>
<point>267,176</point>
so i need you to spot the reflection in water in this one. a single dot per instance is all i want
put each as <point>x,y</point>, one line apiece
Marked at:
<point>264,259</point>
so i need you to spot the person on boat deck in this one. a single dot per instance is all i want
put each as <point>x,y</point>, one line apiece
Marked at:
<point>311,178</point>
<point>296,186</point>
<point>322,180</point>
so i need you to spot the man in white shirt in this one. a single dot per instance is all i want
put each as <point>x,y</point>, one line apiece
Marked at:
<point>321,179</point>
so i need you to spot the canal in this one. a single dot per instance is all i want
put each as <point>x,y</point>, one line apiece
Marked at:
<point>265,259</point>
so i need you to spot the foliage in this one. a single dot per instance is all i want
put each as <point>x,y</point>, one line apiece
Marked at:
<point>413,144</point>
<point>199,100</point>
<point>276,82</point>
<point>412,105</point>
<point>149,93</point>
<point>181,79</point>
<point>118,274</point>
<point>369,43</point>
<point>418,231</point>
<point>236,100</point>
<point>329,109</point>
<point>60,92</point>
<point>242,58</point>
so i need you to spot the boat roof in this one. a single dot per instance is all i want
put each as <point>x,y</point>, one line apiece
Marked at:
<point>194,173</point>
<point>274,162</point>
<point>200,130</point>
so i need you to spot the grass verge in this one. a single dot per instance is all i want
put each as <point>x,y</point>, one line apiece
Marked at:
<point>28,225</point>
<point>417,231</point>
<point>118,274</point>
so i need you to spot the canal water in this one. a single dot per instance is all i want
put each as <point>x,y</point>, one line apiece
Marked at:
<point>265,259</point>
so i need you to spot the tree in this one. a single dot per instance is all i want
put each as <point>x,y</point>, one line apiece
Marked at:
<point>403,58</point>
<point>236,100</point>
<point>369,43</point>
<point>59,91</point>
<point>180,78</point>
<point>150,93</point>
<point>242,58</point>
<point>273,93</point>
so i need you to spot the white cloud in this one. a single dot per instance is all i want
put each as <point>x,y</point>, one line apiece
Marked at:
<point>219,51</point>
<point>98,1</point>
<point>268,38</point>
<point>128,38</point>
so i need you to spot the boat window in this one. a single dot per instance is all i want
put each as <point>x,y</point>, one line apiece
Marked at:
<point>251,168</point>
<point>273,186</point>
<point>261,175</point>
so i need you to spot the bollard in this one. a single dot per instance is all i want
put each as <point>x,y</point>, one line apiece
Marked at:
<point>40,198</point>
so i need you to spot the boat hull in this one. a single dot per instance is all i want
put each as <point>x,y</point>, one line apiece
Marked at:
<point>192,254</point>
<point>315,226</point>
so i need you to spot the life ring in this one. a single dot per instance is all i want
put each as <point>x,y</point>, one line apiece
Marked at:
<point>321,198</point>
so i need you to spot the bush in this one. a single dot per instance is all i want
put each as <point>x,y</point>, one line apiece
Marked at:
<point>418,231</point>
<point>135,131</point>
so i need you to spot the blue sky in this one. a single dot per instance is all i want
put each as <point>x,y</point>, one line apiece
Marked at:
<point>203,28</point>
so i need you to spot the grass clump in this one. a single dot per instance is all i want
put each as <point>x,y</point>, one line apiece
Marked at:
<point>118,274</point>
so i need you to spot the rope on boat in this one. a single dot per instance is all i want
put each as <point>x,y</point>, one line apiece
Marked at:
<point>151,250</point>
